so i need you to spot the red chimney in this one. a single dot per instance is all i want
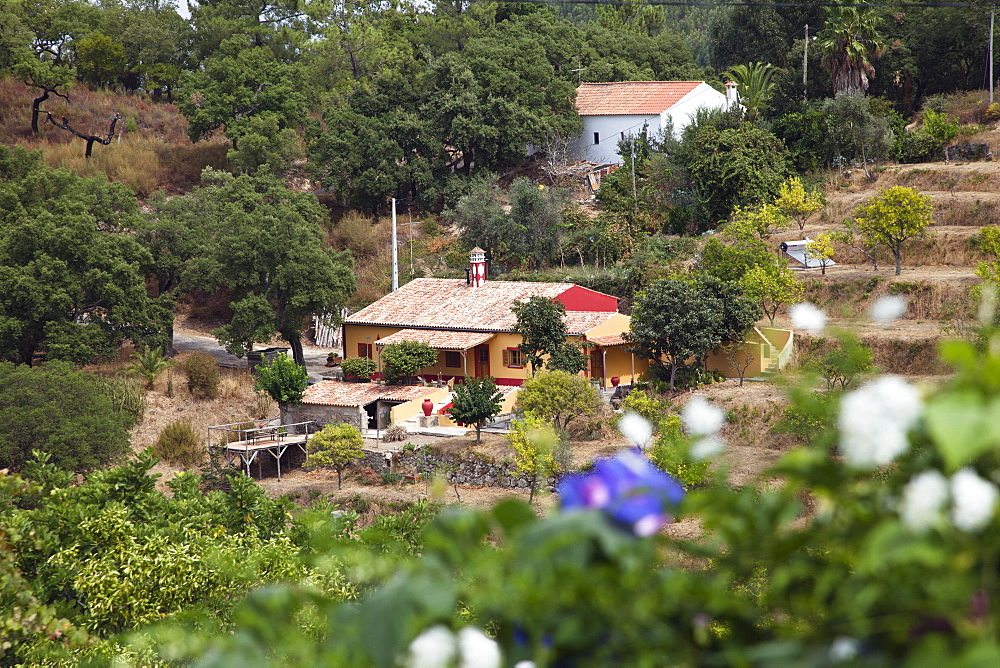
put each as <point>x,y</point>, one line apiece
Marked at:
<point>477,262</point>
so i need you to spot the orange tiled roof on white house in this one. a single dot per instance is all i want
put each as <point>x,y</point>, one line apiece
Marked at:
<point>630,97</point>
<point>613,111</point>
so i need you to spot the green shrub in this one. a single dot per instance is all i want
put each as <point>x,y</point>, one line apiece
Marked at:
<point>180,444</point>
<point>916,146</point>
<point>203,376</point>
<point>283,380</point>
<point>651,408</point>
<point>405,358</point>
<point>358,367</point>
<point>60,411</point>
<point>670,453</point>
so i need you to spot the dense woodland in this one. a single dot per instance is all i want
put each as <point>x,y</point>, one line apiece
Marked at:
<point>236,168</point>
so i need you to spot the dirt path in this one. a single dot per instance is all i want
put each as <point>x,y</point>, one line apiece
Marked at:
<point>189,340</point>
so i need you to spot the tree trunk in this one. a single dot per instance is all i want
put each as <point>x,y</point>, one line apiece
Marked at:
<point>673,373</point>
<point>34,111</point>
<point>479,426</point>
<point>338,478</point>
<point>90,147</point>
<point>531,489</point>
<point>295,342</point>
<point>896,253</point>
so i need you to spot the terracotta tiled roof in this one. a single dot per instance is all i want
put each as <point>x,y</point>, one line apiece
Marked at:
<point>336,393</point>
<point>612,340</point>
<point>438,339</point>
<point>448,303</point>
<point>630,97</point>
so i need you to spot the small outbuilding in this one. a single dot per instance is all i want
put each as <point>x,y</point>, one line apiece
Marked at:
<point>364,405</point>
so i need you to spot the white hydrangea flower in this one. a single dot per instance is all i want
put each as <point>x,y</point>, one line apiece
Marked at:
<point>923,499</point>
<point>973,500</point>
<point>843,649</point>
<point>707,447</point>
<point>875,419</point>
<point>637,429</point>
<point>477,650</point>
<point>525,664</point>
<point>434,648</point>
<point>702,418</point>
<point>808,317</point>
<point>887,309</point>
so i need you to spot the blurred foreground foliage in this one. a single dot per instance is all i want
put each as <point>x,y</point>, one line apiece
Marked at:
<point>831,562</point>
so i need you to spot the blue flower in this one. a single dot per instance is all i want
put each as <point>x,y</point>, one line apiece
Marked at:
<point>628,489</point>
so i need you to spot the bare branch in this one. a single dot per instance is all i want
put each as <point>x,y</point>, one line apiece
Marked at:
<point>90,139</point>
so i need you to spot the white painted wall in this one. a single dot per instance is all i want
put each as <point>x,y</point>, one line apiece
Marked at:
<point>610,128</point>
<point>702,96</point>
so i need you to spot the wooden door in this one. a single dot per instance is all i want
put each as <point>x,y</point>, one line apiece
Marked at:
<point>482,363</point>
<point>597,365</point>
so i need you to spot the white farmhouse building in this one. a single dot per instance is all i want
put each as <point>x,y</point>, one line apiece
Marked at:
<point>613,110</point>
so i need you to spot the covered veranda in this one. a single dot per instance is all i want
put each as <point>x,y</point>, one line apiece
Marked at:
<point>611,364</point>
<point>465,354</point>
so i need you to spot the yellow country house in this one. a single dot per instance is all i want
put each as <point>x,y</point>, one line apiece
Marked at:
<point>470,323</point>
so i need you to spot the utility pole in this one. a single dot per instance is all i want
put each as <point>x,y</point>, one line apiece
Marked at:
<point>635,198</point>
<point>805,66</point>
<point>395,258</point>
<point>993,12</point>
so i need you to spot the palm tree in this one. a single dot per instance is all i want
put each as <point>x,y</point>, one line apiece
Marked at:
<point>756,85</point>
<point>850,41</point>
<point>149,364</point>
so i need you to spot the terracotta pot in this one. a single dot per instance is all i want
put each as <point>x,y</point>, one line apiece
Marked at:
<point>428,406</point>
<point>615,380</point>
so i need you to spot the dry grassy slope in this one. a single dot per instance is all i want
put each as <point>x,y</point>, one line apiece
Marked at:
<point>150,151</point>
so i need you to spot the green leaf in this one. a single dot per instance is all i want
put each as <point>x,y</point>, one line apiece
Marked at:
<point>962,426</point>
<point>513,515</point>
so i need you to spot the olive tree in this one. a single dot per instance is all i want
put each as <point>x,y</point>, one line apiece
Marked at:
<point>559,397</point>
<point>335,445</point>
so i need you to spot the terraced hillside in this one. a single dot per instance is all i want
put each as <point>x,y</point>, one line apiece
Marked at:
<point>938,270</point>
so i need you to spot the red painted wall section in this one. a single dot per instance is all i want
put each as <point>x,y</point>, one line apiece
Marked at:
<point>578,298</point>
<point>515,382</point>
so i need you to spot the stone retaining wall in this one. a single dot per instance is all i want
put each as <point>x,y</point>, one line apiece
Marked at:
<point>968,152</point>
<point>469,470</point>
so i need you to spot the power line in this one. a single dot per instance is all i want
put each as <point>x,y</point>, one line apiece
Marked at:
<point>731,3</point>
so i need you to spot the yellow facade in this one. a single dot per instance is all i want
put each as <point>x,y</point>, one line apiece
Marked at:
<point>469,364</point>
<point>616,324</point>
<point>616,361</point>
<point>764,350</point>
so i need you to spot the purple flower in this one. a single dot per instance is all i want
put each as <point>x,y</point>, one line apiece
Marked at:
<point>628,489</point>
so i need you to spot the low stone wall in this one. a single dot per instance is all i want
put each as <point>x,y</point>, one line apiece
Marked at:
<point>469,470</point>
